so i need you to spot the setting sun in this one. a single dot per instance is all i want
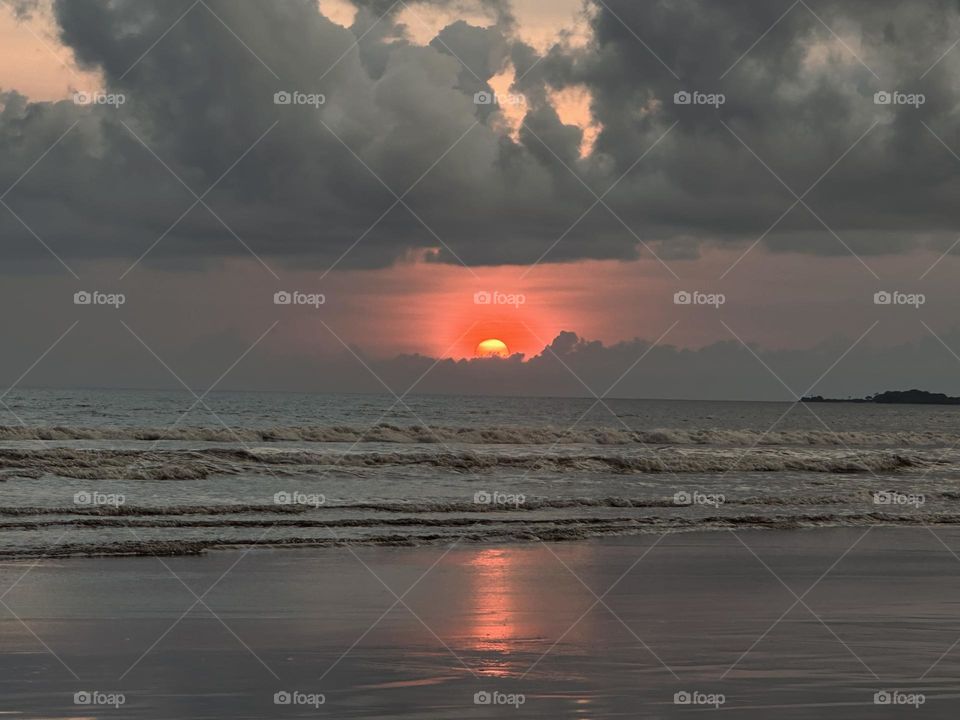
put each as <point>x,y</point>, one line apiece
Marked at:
<point>492,348</point>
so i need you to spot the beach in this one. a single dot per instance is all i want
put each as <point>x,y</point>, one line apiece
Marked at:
<point>309,556</point>
<point>611,627</point>
<point>474,359</point>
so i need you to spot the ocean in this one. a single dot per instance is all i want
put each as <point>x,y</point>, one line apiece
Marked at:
<point>105,473</point>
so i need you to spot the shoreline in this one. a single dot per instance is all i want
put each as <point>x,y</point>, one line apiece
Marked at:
<point>775,524</point>
<point>700,612</point>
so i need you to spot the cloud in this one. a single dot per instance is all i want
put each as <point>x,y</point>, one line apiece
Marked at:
<point>102,355</point>
<point>800,97</point>
<point>21,8</point>
<point>317,186</point>
<point>574,366</point>
<point>725,370</point>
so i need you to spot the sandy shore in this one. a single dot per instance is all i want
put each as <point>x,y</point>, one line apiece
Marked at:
<point>697,613</point>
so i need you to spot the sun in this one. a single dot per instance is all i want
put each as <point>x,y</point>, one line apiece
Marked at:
<point>492,348</point>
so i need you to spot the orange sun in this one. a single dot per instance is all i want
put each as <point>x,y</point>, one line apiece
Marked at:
<point>492,348</point>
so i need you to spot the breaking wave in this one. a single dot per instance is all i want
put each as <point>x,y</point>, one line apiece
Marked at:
<point>198,464</point>
<point>384,506</point>
<point>499,435</point>
<point>417,531</point>
<point>415,485</point>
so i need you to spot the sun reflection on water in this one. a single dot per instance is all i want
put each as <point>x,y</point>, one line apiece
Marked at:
<point>497,622</point>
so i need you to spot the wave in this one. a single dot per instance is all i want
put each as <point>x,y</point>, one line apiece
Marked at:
<point>416,506</point>
<point>464,530</point>
<point>494,435</point>
<point>198,464</point>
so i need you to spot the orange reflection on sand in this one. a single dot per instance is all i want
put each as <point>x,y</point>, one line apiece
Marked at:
<point>522,600</point>
<point>583,707</point>
<point>496,620</point>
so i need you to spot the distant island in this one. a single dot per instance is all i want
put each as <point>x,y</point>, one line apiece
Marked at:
<point>892,397</point>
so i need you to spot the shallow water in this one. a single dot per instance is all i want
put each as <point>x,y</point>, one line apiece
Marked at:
<point>711,613</point>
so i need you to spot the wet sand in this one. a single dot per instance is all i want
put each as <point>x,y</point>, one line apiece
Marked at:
<point>696,613</point>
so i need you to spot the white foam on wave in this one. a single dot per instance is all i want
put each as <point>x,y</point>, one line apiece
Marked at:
<point>493,435</point>
<point>200,463</point>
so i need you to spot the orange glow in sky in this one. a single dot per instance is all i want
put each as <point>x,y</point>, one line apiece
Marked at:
<point>34,62</point>
<point>495,308</point>
<point>446,311</point>
<point>442,310</point>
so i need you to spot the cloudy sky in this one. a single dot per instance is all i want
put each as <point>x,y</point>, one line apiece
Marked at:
<point>578,164</point>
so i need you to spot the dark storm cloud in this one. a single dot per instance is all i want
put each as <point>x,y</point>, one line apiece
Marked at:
<point>200,95</point>
<point>800,99</point>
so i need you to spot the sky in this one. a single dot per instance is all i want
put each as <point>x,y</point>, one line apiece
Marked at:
<point>560,176</point>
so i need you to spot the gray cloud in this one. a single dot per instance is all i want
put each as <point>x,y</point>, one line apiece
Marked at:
<point>799,99</point>
<point>200,99</point>
<point>106,355</point>
<point>720,371</point>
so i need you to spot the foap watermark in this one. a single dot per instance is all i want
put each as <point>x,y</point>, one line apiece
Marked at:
<point>98,698</point>
<point>895,297</point>
<point>296,297</point>
<point>296,697</point>
<point>95,297</point>
<point>485,97</point>
<point>495,297</point>
<point>891,497</point>
<point>682,497</point>
<point>92,498</point>
<point>895,97</point>
<point>296,97</point>
<point>685,297</point>
<point>84,97</point>
<point>298,498</point>
<point>898,697</point>
<point>495,697</point>
<point>486,497</point>
<point>695,697</point>
<point>695,97</point>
